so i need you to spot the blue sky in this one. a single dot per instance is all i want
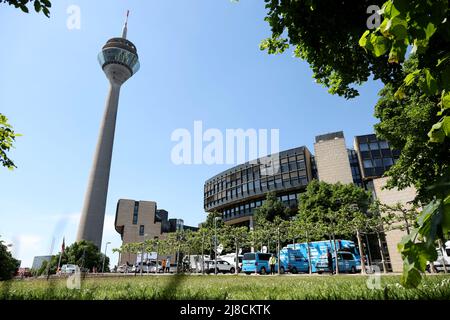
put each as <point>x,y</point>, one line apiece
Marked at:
<point>200,60</point>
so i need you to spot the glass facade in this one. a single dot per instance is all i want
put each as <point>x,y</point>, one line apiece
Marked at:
<point>375,156</point>
<point>238,191</point>
<point>120,56</point>
<point>354,166</point>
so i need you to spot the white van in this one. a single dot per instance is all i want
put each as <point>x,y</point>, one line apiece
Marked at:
<point>68,268</point>
<point>443,258</point>
<point>231,258</point>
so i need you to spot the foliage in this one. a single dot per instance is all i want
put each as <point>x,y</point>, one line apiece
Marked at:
<point>425,26</point>
<point>325,34</point>
<point>7,139</point>
<point>272,207</point>
<point>405,124</point>
<point>39,5</point>
<point>8,264</point>
<point>328,205</point>
<point>225,287</point>
<point>84,254</point>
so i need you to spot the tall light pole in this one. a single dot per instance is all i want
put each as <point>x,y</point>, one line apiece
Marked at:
<point>142,254</point>
<point>119,61</point>
<point>104,257</point>
<point>215,243</point>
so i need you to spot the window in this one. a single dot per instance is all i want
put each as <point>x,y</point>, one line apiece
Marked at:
<point>135,212</point>
<point>249,256</point>
<point>301,164</point>
<point>292,196</point>
<point>388,162</point>
<point>141,230</point>
<point>363,147</point>
<point>284,198</point>
<point>378,162</point>
<point>368,164</point>
<point>278,180</point>
<point>347,256</point>
<point>374,146</point>
<point>384,145</point>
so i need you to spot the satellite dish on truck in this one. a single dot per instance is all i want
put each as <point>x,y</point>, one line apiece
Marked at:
<point>264,249</point>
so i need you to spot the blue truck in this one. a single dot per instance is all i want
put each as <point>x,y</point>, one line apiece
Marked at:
<point>294,257</point>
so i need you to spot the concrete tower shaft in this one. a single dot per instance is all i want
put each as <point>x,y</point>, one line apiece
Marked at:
<point>119,61</point>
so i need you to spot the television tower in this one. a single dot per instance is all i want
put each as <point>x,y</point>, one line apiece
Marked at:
<point>119,60</point>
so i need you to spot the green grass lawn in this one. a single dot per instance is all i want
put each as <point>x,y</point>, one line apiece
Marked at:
<point>226,287</point>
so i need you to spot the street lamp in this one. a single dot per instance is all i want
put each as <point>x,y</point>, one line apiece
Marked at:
<point>104,257</point>
<point>215,243</point>
<point>142,254</point>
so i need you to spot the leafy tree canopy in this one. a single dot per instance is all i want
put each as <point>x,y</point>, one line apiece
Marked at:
<point>39,5</point>
<point>8,264</point>
<point>7,139</point>
<point>271,208</point>
<point>326,34</point>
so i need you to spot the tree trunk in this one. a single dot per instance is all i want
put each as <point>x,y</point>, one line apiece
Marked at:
<point>383,262</point>
<point>441,247</point>
<point>203,254</point>
<point>309,254</point>
<point>278,249</point>
<point>368,250</point>
<point>236,259</point>
<point>405,217</point>
<point>335,255</point>
<point>361,253</point>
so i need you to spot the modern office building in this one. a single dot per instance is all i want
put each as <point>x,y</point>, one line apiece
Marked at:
<point>119,60</point>
<point>137,221</point>
<point>237,192</point>
<point>39,260</point>
<point>332,158</point>
<point>374,155</point>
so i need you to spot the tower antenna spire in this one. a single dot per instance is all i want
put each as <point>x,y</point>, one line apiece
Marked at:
<point>125,26</point>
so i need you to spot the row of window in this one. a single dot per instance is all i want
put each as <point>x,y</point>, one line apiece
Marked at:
<point>374,146</point>
<point>271,183</point>
<point>286,164</point>
<point>375,163</point>
<point>292,167</point>
<point>247,208</point>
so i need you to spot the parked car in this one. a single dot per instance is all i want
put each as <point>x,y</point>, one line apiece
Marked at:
<point>442,259</point>
<point>69,268</point>
<point>222,266</point>
<point>155,267</point>
<point>257,262</point>
<point>347,262</point>
<point>137,268</point>
<point>173,268</point>
<point>231,258</point>
<point>124,268</point>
